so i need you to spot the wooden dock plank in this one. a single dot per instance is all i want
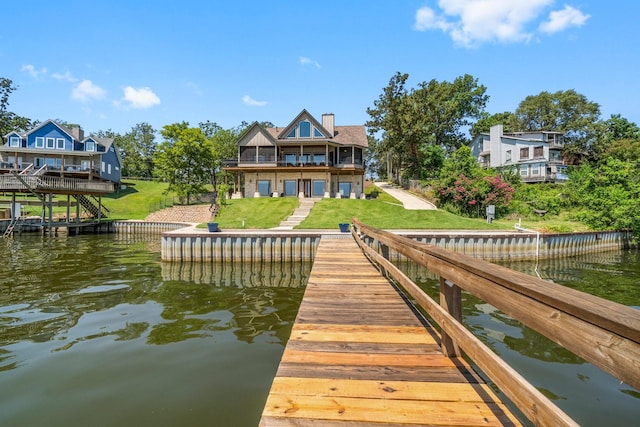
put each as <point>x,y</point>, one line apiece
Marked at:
<point>359,355</point>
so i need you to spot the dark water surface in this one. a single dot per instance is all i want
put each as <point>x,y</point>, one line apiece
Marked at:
<point>96,330</point>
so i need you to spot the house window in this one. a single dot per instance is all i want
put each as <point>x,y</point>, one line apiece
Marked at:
<point>14,141</point>
<point>524,153</point>
<point>290,188</point>
<point>109,169</point>
<point>60,143</point>
<point>53,164</point>
<point>264,187</point>
<point>344,188</point>
<point>38,162</point>
<point>318,187</point>
<point>524,170</point>
<point>535,169</point>
<point>538,152</point>
<point>317,133</point>
<point>51,143</point>
<point>507,158</point>
<point>85,165</point>
<point>305,129</point>
<point>104,167</point>
<point>292,134</point>
<point>319,159</point>
<point>39,142</point>
<point>89,146</point>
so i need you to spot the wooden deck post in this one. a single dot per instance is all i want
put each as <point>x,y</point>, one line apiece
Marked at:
<point>451,301</point>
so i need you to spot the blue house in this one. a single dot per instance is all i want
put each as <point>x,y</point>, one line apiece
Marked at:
<point>53,150</point>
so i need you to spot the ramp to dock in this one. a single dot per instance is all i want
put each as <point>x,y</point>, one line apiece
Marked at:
<point>360,355</point>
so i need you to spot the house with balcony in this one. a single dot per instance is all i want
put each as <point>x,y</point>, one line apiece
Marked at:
<point>536,156</point>
<point>53,150</point>
<point>306,158</point>
<point>52,161</point>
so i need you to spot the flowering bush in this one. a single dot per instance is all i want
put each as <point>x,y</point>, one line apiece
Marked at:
<point>470,196</point>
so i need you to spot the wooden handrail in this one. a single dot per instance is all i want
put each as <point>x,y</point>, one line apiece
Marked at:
<point>602,332</point>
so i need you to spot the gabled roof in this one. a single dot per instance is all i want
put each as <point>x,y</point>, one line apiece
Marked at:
<point>46,122</point>
<point>304,114</point>
<point>13,132</point>
<point>250,132</point>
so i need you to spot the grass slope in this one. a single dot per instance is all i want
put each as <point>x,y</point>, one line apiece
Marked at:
<point>381,213</point>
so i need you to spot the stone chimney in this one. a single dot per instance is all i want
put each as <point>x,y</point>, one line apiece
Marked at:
<point>328,121</point>
<point>77,133</point>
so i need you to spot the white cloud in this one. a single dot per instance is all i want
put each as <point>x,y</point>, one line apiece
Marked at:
<point>86,91</point>
<point>140,98</point>
<point>560,20</point>
<point>252,102</point>
<point>308,62</point>
<point>470,23</point>
<point>64,77</point>
<point>32,70</point>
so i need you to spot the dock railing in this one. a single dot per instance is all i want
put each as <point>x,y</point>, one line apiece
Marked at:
<point>604,333</point>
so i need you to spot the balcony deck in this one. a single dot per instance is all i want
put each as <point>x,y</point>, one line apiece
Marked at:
<point>53,184</point>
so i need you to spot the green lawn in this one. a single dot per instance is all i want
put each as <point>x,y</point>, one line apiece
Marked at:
<point>388,214</point>
<point>263,212</point>
<point>137,200</point>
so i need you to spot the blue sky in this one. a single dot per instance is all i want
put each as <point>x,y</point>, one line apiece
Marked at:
<point>113,64</point>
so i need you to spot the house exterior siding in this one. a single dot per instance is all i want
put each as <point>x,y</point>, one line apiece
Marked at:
<point>307,158</point>
<point>535,156</point>
<point>53,150</point>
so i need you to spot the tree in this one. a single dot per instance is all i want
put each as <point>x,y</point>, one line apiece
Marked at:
<point>564,111</point>
<point>486,120</point>
<point>137,150</point>
<point>8,120</point>
<point>185,159</point>
<point>609,194</point>
<point>433,114</point>
<point>618,138</point>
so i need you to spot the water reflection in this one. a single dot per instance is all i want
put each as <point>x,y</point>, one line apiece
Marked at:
<point>101,311</point>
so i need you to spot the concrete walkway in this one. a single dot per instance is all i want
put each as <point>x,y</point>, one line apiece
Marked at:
<point>408,200</point>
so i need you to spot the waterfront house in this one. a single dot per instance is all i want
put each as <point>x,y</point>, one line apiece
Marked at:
<point>536,156</point>
<point>51,149</point>
<point>306,158</point>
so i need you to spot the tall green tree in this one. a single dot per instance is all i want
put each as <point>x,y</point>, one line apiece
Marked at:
<point>185,159</point>
<point>618,138</point>
<point>10,121</point>
<point>435,113</point>
<point>137,150</point>
<point>564,111</point>
<point>608,193</point>
<point>486,120</point>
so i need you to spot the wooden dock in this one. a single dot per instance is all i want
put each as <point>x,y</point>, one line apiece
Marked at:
<point>360,355</point>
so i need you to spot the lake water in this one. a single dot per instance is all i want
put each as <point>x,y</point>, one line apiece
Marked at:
<point>96,330</point>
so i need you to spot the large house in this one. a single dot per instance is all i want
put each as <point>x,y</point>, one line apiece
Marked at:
<point>53,150</point>
<point>537,156</point>
<point>306,158</point>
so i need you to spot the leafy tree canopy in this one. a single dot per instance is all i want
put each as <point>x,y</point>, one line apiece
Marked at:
<point>434,113</point>
<point>563,111</point>
<point>185,159</point>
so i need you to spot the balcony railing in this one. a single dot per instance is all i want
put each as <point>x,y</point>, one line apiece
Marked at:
<point>269,161</point>
<point>7,166</point>
<point>53,184</point>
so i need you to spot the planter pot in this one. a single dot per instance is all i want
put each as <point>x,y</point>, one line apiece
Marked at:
<point>213,226</point>
<point>344,228</point>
